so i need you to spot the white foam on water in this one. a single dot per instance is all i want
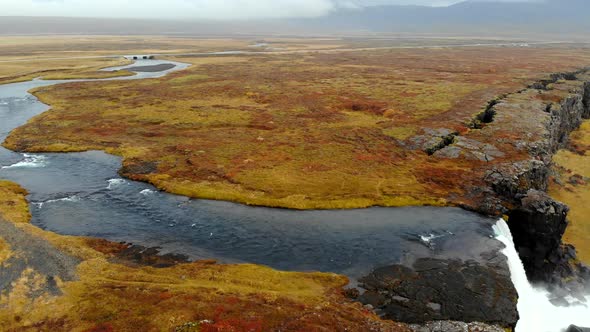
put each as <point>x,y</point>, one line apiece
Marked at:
<point>115,182</point>
<point>428,238</point>
<point>73,198</point>
<point>537,313</point>
<point>147,192</point>
<point>30,161</point>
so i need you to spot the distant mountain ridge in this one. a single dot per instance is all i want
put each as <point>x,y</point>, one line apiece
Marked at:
<point>482,16</point>
<point>470,17</point>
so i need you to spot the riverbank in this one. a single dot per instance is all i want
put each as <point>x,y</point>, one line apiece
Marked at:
<point>56,282</point>
<point>60,260</point>
<point>14,72</point>
<point>84,284</point>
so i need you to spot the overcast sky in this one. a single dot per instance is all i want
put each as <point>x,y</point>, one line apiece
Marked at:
<point>201,9</point>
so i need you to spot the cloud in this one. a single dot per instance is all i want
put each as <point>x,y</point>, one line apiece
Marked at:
<point>218,9</point>
<point>196,9</point>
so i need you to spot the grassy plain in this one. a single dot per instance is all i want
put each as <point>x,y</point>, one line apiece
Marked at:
<point>314,130</point>
<point>574,189</point>
<point>111,294</point>
<point>62,57</point>
<point>23,58</point>
<point>19,71</point>
<point>311,130</point>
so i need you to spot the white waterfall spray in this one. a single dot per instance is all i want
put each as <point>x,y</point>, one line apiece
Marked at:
<point>537,313</point>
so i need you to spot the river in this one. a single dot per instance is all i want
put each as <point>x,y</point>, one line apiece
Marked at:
<point>81,194</point>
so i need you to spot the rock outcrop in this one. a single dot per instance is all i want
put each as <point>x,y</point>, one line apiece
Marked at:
<point>529,126</point>
<point>558,105</point>
<point>574,328</point>
<point>514,139</point>
<point>448,290</point>
<point>537,226</point>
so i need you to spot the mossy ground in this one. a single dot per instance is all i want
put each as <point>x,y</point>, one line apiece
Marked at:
<point>304,131</point>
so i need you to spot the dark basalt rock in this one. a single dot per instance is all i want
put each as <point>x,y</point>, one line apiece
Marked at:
<point>511,181</point>
<point>566,117</point>
<point>586,101</point>
<point>537,222</point>
<point>435,289</point>
<point>133,166</point>
<point>537,227</point>
<point>574,328</point>
<point>136,255</point>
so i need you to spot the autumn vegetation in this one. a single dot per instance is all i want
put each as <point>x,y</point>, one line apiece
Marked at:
<point>341,129</point>
<point>334,128</point>
<point>20,71</point>
<point>112,293</point>
<point>572,186</point>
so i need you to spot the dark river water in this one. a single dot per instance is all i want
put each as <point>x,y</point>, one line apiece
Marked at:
<point>81,194</point>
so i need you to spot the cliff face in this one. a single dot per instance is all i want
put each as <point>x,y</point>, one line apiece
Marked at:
<point>538,222</point>
<point>516,136</point>
<point>538,225</point>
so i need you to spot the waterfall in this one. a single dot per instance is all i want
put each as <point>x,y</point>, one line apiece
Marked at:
<point>537,313</point>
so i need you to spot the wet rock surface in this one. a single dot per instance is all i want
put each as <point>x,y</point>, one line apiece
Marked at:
<point>538,226</point>
<point>136,255</point>
<point>436,289</point>
<point>574,328</point>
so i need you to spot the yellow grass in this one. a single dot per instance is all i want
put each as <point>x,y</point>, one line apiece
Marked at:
<point>5,252</point>
<point>19,71</point>
<point>13,205</point>
<point>576,195</point>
